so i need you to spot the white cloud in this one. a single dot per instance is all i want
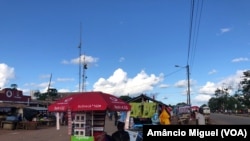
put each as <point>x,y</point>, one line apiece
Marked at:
<point>84,58</point>
<point>6,73</point>
<point>65,62</point>
<point>212,71</point>
<point>121,59</point>
<point>207,91</point>
<point>26,91</point>
<point>224,30</point>
<point>45,85</point>
<point>65,79</point>
<point>163,86</point>
<point>184,83</point>
<point>232,81</point>
<point>119,84</point>
<point>181,84</point>
<point>63,90</point>
<point>201,99</point>
<point>241,59</point>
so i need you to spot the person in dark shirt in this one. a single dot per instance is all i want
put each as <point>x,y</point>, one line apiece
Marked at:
<point>116,117</point>
<point>120,134</point>
<point>20,118</point>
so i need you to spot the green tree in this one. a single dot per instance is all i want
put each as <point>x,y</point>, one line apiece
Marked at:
<point>214,104</point>
<point>13,86</point>
<point>39,95</point>
<point>222,100</point>
<point>51,94</point>
<point>245,84</point>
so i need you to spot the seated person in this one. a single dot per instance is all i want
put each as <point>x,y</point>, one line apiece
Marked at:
<point>120,134</point>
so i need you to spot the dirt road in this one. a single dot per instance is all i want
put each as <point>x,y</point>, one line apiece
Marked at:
<point>45,133</point>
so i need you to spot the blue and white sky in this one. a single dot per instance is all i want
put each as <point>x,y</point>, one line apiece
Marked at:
<point>130,47</point>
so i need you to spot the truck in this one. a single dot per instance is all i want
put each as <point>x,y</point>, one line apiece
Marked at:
<point>183,114</point>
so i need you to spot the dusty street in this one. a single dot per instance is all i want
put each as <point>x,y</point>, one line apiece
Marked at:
<point>45,133</point>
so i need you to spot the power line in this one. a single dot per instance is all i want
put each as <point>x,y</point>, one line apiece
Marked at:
<point>171,73</point>
<point>198,11</point>
<point>192,30</point>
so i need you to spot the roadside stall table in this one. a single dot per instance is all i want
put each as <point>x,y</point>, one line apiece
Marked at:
<point>10,125</point>
<point>47,122</point>
<point>28,125</point>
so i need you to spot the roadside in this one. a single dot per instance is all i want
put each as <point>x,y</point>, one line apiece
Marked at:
<point>46,133</point>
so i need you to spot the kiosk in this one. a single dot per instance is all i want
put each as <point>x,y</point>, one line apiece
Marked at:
<point>144,111</point>
<point>86,113</point>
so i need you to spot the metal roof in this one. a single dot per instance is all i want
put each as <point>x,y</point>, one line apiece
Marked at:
<point>38,108</point>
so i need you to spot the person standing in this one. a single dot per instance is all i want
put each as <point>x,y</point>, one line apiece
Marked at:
<point>116,117</point>
<point>110,115</point>
<point>20,117</point>
<point>164,117</point>
<point>120,134</point>
<point>200,118</point>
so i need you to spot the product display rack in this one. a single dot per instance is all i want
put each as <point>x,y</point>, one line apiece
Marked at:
<point>82,124</point>
<point>99,120</point>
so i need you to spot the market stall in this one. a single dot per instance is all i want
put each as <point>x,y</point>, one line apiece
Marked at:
<point>86,113</point>
<point>9,115</point>
<point>144,111</point>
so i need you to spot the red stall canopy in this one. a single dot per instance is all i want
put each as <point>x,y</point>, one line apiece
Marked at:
<point>89,101</point>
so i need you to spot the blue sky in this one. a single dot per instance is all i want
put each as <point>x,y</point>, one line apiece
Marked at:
<point>130,47</point>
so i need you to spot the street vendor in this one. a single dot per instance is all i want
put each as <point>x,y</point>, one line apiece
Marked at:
<point>164,117</point>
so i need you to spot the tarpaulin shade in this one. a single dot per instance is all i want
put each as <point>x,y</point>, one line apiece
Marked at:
<point>89,101</point>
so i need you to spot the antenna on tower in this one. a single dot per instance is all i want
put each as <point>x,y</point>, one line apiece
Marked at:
<point>84,77</point>
<point>80,60</point>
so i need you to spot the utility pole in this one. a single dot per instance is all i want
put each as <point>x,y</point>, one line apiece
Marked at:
<point>188,83</point>
<point>188,91</point>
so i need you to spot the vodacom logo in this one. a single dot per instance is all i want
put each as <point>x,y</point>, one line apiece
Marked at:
<point>113,98</point>
<point>68,100</point>
<point>9,93</point>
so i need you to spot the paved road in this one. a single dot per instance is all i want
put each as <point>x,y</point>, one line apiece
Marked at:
<point>226,119</point>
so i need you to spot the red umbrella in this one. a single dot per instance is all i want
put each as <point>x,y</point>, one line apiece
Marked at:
<point>89,101</point>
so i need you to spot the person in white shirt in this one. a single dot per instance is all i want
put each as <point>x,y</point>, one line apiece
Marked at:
<point>200,118</point>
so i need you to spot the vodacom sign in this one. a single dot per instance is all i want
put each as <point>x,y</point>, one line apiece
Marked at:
<point>9,93</point>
